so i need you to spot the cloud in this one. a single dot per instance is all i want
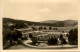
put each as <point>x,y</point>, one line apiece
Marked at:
<point>44,10</point>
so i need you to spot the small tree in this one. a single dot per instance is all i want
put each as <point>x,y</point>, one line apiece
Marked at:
<point>30,35</point>
<point>44,28</point>
<point>40,28</point>
<point>61,37</point>
<point>50,28</point>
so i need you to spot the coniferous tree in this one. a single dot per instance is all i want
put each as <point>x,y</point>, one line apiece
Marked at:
<point>73,36</point>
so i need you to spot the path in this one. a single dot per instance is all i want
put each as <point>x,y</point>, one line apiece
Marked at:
<point>25,45</point>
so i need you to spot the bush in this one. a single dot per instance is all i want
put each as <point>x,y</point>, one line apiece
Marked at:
<point>52,41</point>
<point>34,40</point>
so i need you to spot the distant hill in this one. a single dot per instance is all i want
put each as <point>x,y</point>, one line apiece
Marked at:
<point>67,22</point>
<point>62,23</point>
<point>54,23</point>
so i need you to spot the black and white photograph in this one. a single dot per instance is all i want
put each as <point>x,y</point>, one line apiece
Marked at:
<point>39,24</point>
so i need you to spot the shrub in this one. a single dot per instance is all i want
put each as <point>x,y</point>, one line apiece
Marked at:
<point>52,41</point>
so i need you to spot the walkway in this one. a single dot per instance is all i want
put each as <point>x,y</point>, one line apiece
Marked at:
<point>25,45</point>
<point>54,46</point>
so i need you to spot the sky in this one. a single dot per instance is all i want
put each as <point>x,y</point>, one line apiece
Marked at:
<point>40,10</point>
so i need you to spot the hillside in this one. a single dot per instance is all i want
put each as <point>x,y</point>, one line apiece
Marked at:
<point>68,22</point>
<point>22,23</point>
<point>62,23</point>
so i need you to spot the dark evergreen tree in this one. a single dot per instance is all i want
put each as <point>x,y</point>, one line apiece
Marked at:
<point>52,41</point>
<point>30,35</point>
<point>50,28</point>
<point>73,36</point>
<point>44,28</point>
<point>63,41</point>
